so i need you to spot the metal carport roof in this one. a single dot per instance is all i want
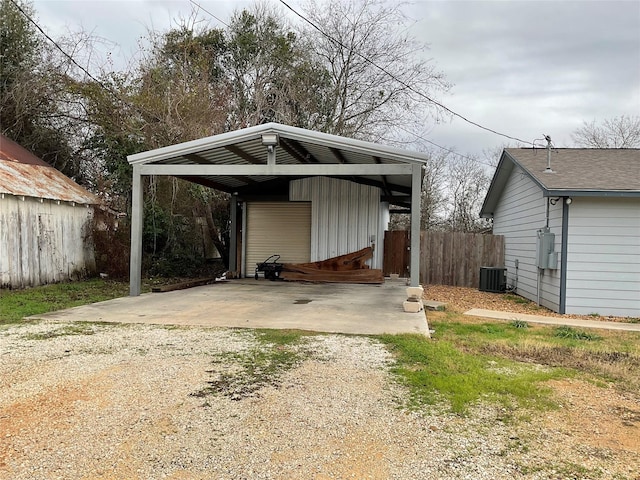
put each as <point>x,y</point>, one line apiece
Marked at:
<point>240,162</point>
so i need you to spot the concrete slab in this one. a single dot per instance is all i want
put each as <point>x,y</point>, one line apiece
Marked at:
<point>571,322</point>
<point>247,303</point>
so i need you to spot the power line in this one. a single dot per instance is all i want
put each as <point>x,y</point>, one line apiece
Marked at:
<point>72,60</point>
<point>207,11</point>
<point>60,48</point>
<point>403,83</point>
<point>449,150</point>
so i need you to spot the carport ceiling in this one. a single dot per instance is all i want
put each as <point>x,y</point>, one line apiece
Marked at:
<point>245,152</point>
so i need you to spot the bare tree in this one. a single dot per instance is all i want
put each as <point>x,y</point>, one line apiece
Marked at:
<point>379,77</point>
<point>433,197</point>
<point>468,181</point>
<point>617,132</point>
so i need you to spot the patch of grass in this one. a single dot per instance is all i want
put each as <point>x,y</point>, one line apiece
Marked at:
<point>242,375</point>
<point>469,360</point>
<point>516,299</point>
<point>573,334</point>
<point>17,304</point>
<point>519,324</point>
<point>80,328</point>
<point>436,370</point>
<point>614,357</point>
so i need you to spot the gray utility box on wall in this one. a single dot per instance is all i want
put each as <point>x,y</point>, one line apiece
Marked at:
<point>546,256</point>
<point>493,279</point>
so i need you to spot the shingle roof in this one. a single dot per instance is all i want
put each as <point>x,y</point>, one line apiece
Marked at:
<point>24,174</point>
<point>575,172</point>
<point>582,168</point>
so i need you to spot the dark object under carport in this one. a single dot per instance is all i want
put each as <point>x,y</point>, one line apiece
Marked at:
<point>270,267</point>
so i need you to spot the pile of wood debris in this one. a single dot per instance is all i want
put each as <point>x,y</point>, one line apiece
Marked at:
<point>349,268</point>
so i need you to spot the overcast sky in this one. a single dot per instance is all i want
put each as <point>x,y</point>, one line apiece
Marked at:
<point>524,68</point>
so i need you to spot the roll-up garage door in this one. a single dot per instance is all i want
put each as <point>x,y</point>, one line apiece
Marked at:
<point>282,228</point>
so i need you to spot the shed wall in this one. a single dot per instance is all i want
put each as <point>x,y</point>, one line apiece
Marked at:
<point>603,261</point>
<point>520,213</point>
<point>345,216</point>
<point>43,242</point>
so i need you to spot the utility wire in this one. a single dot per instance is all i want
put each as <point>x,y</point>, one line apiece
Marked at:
<point>60,48</point>
<point>453,152</point>
<point>207,11</point>
<point>403,83</point>
<point>86,72</point>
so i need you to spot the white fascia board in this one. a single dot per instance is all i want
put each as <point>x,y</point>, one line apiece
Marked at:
<point>350,144</point>
<point>195,146</point>
<point>277,170</point>
<point>294,133</point>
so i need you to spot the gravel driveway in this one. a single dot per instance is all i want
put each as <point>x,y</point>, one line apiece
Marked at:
<point>119,402</point>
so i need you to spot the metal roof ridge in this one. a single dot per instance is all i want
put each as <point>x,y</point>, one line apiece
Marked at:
<point>295,133</point>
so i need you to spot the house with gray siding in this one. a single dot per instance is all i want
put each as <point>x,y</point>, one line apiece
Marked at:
<point>571,223</point>
<point>45,221</point>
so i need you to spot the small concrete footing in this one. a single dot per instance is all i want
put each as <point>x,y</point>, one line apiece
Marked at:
<point>414,304</point>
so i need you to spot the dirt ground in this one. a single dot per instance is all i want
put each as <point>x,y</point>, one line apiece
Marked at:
<point>461,299</point>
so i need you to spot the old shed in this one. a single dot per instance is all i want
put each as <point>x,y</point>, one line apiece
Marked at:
<point>44,221</point>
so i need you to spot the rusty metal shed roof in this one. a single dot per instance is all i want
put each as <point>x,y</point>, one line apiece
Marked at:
<point>24,174</point>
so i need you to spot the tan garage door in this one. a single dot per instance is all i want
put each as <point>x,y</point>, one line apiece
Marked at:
<point>282,228</point>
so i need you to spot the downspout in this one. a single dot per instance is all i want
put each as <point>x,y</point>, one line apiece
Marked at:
<point>563,259</point>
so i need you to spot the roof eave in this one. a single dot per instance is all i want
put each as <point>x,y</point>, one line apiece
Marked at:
<point>590,193</point>
<point>295,133</point>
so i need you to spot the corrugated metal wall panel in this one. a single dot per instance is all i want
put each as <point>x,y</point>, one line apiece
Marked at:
<point>282,228</point>
<point>344,216</point>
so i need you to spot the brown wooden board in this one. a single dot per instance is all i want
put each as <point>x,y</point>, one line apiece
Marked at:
<point>353,276</point>
<point>349,268</point>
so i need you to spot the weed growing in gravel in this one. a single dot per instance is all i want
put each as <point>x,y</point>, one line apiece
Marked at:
<point>71,329</point>
<point>241,375</point>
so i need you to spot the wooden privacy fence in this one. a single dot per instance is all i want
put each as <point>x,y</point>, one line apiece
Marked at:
<point>446,258</point>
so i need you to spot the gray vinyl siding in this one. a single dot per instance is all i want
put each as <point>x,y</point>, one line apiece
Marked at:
<point>603,262</point>
<point>43,241</point>
<point>345,216</point>
<point>519,214</point>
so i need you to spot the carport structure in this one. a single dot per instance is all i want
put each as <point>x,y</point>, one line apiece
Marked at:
<point>347,186</point>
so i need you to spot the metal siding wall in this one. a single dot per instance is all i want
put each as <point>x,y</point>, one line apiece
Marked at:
<point>344,216</point>
<point>43,242</point>
<point>282,228</point>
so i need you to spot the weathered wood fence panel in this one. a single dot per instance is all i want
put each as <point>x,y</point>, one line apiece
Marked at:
<point>446,258</point>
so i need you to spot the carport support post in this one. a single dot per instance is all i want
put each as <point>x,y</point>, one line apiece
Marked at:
<point>135,266</point>
<point>416,190</point>
<point>233,237</point>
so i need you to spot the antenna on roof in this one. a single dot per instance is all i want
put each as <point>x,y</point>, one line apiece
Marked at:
<point>548,139</point>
